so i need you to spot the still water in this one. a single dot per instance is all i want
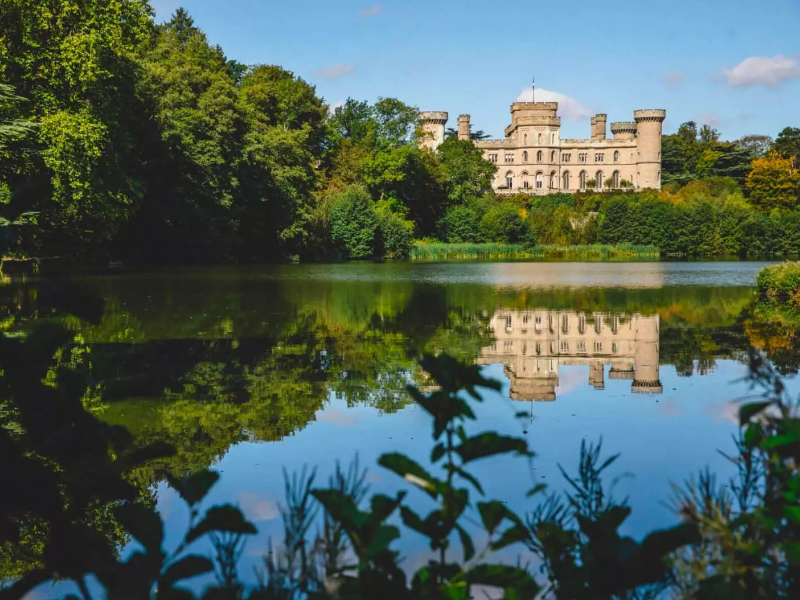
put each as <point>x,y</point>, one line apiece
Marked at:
<point>256,370</point>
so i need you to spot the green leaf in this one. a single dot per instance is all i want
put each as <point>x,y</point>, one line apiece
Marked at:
<point>142,523</point>
<point>437,452</point>
<point>187,567</point>
<point>492,514</point>
<point>383,506</point>
<point>538,488</point>
<point>778,441</point>
<point>411,472</point>
<point>505,577</point>
<point>792,513</point>
<point>748,411</point>
<point>413,521</point>
<point>225,518</point>
<point>466,543</point>
<point>193,487</point>
<point>661,543</point>
<point>469,477</point>
<point>341,508</point>
<point>513,535</point>
<point>491,444</point>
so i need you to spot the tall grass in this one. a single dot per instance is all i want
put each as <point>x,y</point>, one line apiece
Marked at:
<point>441,251</point>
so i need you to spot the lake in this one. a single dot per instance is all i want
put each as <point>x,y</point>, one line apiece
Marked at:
<point>255,370</point>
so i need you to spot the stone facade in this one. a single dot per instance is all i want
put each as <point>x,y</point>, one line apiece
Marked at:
<point>532,344</point>
<point>533,158</point>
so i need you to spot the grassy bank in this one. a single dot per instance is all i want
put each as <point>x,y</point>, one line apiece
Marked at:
<point>780,283</point>
<point>441,251</point>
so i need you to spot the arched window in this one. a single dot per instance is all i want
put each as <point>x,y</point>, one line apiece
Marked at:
<point>539,139</point>
<point>582,180</point>
<point>552,138</point>
<point>539,156</point>
<point>525,183</point>
<point>525,156</point>
<point>553,180</point>
<point>616,156</point>
<point>539,180</point>
<point>509,180</point>
<point>525,139</point>
<point>615,176</point>
<point>565,178</point>
<point>553,156</point>
<point>599,180</point>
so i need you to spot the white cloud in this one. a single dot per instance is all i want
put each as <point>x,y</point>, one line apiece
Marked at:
<point>762,70</point>
<point>568,107</point>
<point>258,508</point>
<point>709,117</point>
<point>335,72</point>
<point>372,11</point>
<point>673,80</point>
<point>338,104</point>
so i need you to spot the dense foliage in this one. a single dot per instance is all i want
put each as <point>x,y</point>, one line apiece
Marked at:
<point>121,139</point>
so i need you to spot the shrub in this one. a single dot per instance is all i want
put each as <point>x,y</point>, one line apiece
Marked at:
<point>780,282</point>
<point>353,224</point>
<point>394,236</point>
<point>461,224</point>
<point>503,223</point>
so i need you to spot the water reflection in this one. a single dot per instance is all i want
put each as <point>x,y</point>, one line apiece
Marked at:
<point>533,344</point>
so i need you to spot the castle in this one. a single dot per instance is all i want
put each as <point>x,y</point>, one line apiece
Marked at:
<point>534,159</point>
<point>532,344</point>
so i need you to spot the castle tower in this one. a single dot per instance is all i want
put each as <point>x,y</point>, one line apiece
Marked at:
<point>648,167</point>
<point>534,118</point>
<point>597,376</point>
<point>599,127</point>
<point>463,128</point>
<point>432,123</point>
<point>623,131</point>
<point>646,356</point>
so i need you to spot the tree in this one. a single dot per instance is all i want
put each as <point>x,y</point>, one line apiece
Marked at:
<point>774,182</point>
<point>503,223</point>
<point>466,173</point>
<point>75,61</point>
<point>475,136</point>
<point>756,145</point>
<point>787,144</point>
<point>461,224</point>
<point>353,224</point>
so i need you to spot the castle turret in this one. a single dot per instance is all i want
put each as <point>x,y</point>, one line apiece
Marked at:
<point>463,128</point>
<point>646,357</point>
<point>623,131</point>
<point>599,127</point>
<point>432,123</point>
<point>539,114</point>
<point>648,140</point>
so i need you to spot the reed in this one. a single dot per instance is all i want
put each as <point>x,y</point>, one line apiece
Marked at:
<point>442,251</point>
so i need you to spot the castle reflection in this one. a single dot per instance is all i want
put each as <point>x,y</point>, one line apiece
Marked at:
<point>532,344</point>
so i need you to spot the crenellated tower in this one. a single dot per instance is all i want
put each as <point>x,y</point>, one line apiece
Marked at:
<point>432,123</point>
<point>648,141</point>
<point>464,127</point>
<point>599,127</point>
<point>646,378</point>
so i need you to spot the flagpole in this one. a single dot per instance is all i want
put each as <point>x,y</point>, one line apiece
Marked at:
<point>533,89</point>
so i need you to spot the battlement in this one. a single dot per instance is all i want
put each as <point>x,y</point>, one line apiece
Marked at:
<point>623,127</point>
<point>434,116</point>
<point>650,114</point>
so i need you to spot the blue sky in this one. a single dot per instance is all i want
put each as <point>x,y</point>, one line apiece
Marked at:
<point>733,64</point>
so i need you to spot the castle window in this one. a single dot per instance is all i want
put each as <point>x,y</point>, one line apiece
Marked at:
<point>552,138</point>
<point>565,346</point>
<point>493,158</point>
<point>539,139</point>
<point>525,139</point>
<point>598,184</point>
<point>598,347</point>
<point>614,346</point>
<point>581,323</point>
<point>582,180</point>
<point>553,180</point>
<point>599,157</point>
<point>538,348</point>
<point>598,324</point>
<point>509,157</point>
<point>539,156</point>
<point>565,177</point>
<point>566,157</point>
<point>525,182</point>
<point>615,176</point>
<point>565,323</point>
<point>553,156</point>
<point>582,157</point>
<point>509,180</point>
<point>525,155</point>
<point>616,156</point>
<point>538,181</point>
<point>581,347</point>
